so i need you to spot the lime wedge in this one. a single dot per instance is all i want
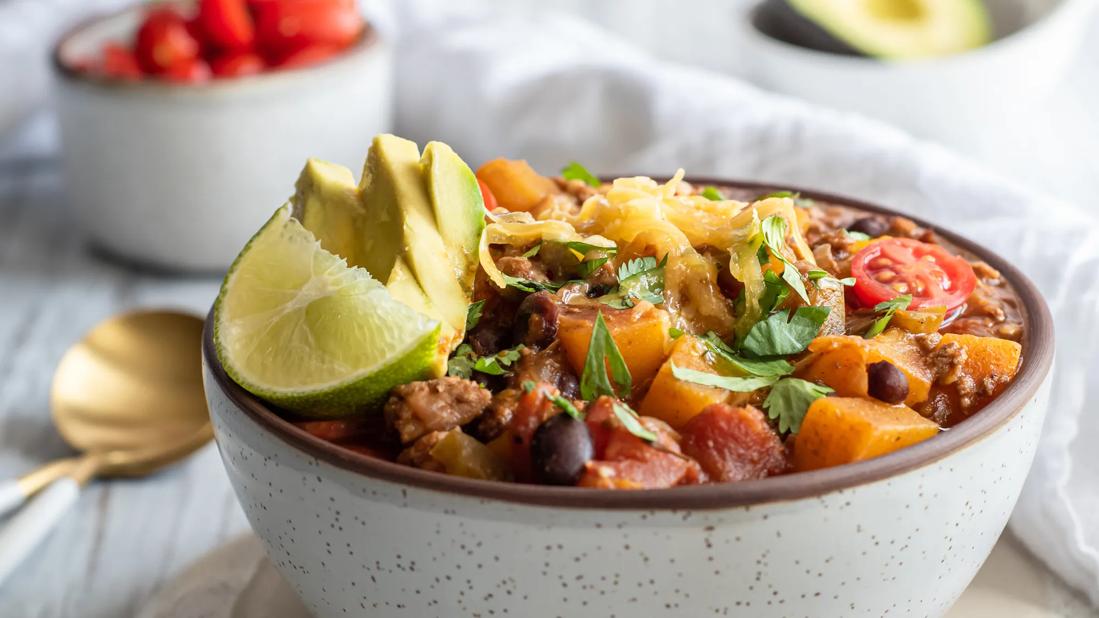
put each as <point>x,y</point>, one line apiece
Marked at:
<point>295,325</point>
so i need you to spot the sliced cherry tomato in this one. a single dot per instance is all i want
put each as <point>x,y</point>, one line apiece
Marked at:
<point>891,267</point>
<point>194,71</point>
<point>305,56</point>
<point>487,196</point>
<point>165,42</point>
<point>227,23</point>
<point>286,26</point>
<point>236,64</point>
<point>119,62</point>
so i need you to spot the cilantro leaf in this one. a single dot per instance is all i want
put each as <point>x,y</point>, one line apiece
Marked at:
<point>473,314</point>
<point>775,292</point>
<point>566,406</point>
<point>771,368</point>
<point>496,364</point>
<point>790,399</point>
<point>533,251</point>
<point>790,194</point>
<point>603,351</point>
<point>856,235</point>
<point>729,383</point>
<point>776,336</point>
<point>632,422</point>
<point>713,194</point>
<point>460,364</point>
<point>575,171</point>
<point>587,267</point>
<point>774,238</point>
<point>638,279</point>
<point>818,276</point>
<point>529,285</point>
<point>674,332</point>
<point>887,308</point>
<point>584,248</point>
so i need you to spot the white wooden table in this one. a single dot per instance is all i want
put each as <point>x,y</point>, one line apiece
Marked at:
<point>125,538</point>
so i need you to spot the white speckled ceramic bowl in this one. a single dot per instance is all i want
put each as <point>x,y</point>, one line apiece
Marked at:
<point>180,176</point>
<point>899,535</point>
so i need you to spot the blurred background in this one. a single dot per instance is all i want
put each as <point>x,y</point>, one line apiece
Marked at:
<point>134,166</point>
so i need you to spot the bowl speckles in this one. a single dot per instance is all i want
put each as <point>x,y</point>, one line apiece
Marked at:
<point>903,534</point>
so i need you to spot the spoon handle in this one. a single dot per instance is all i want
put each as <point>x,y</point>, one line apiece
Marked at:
<point>28,527</point>
<point>11,496</point>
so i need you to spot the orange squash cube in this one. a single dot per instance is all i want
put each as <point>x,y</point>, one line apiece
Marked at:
<point>515,184</point>
<point>674,401</point>
<point>839,430</point>
<point>841,362</point>
<point>641,334</point>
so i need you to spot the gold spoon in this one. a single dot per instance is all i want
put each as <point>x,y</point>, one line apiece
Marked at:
<point>129,397</point>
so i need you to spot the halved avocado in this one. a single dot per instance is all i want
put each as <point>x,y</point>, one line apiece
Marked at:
<point>886,29</point>
<point>399,229</point>
<point>458,205</point>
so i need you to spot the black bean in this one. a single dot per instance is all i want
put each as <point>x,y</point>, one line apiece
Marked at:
<point>536,323</point>
<point>559,450</point>
<point>886,383</point>
<point>871,226</point>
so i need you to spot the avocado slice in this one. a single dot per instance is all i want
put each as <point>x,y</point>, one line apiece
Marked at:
<point>458,206</point>
<point>326,202</point>
<point>885,29</point>
<point>399,230</point>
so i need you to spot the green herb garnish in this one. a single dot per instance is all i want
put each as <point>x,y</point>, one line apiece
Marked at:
<point>774,238</point>
<point>632,422</point>
<point>533,251</point>
<point>567,407</point>
<point>856,235</point>
<point>674,332</point>
<point>790,194</point>
<point>713,194</point>
<point>887,308</point>
<point>460,364</point>
<point>729,383</point>
<point>575,171</point>
<point>497,364</point>
<point>473,314</point>
<point>584,248</point>
<point>529,285</point>
<point>819,276</point>
<point>771,368</point>
<point>776,336</point>
<point>603,352</point>
<point>790,399</point>
<point>774,293</point>
<point>638,279</point>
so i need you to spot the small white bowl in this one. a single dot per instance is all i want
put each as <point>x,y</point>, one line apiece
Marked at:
<point>950,99</point>
<point>901,534</point>
<point>181,176</point>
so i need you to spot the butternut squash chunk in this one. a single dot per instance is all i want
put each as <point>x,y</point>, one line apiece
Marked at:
<point>839,430</point>
<point>515,184</point>
<point>674,401</point>
<point>925,320</point>
<point>990,363</point>
<point>641,334</point>
<point>840,362</point>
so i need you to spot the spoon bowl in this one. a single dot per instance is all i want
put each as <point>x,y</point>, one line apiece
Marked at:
<point>129,394</point>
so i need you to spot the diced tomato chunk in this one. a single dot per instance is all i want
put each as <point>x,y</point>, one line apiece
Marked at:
<point>533,408</point>
<point>226,23</point>
<point>625,461</point>
<point>307,55</point>
<point>164,42</point>
<point>734,443</point>
<point>119,62</point>
<point>236,64</point>
<point>190,72</point>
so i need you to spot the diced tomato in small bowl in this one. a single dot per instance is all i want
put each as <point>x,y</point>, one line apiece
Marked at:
<point>184,43</point>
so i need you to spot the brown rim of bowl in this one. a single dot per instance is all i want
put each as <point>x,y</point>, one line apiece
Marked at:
<point>1037,358</point>
<point>368,38</point>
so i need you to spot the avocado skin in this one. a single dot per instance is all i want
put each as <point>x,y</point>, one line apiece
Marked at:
<point>778,20</point>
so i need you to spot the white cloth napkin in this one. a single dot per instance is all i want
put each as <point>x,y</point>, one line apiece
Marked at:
<point>552,89</point>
